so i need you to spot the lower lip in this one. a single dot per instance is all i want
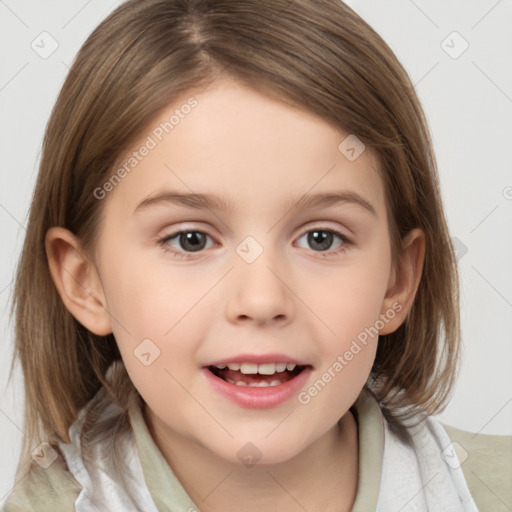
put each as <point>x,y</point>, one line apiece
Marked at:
<point>255,397</point>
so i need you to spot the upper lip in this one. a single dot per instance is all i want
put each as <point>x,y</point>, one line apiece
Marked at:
<point>259,359</point>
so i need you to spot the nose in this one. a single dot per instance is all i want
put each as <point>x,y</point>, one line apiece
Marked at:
<point>259,292</point>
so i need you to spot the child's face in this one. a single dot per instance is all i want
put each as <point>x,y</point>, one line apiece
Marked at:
<point>258,285</point>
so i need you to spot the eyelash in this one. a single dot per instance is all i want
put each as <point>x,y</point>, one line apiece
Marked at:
<point>187,255</point>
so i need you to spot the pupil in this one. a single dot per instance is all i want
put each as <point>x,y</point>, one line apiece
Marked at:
<point>191,241</point>
<point>324,238</point>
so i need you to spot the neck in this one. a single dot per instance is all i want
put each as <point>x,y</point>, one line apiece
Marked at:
<point>323,477</point>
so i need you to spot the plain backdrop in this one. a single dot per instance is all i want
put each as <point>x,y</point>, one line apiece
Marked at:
<point>458,56</point>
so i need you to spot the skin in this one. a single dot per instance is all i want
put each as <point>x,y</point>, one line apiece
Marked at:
<point>259,152</point>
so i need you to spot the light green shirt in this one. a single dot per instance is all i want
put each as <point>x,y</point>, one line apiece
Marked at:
<point>486,463</point>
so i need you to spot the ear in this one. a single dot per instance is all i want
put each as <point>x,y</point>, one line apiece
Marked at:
<point>404,280</point>
<point>77,280</point>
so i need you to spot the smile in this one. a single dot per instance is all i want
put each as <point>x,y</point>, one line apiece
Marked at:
<point>257,386</point>
<point>256,375</point>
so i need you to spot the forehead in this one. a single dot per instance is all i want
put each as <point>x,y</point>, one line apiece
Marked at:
<point>254,150</point>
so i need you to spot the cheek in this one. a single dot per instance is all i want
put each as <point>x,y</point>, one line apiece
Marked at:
<point>346,338</point>
<point>147,304</point>
<point>349,305</point>
<point>150,300</point>
<point>350,298</point>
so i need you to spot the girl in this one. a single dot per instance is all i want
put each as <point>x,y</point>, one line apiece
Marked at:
<point>237,289</point>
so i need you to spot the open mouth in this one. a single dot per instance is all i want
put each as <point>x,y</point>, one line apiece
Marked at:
<point>252,375</point>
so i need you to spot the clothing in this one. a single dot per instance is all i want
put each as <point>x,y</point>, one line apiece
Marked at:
<point>393,475</point>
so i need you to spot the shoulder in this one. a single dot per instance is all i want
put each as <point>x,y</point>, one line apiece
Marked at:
<point>44,489</point>
<point>486,461</point>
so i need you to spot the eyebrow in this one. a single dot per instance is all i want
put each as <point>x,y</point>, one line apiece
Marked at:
<point>223,204</point>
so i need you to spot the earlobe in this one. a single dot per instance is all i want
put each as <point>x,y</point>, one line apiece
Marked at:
<point>404,280</point>
<point>77,280</point>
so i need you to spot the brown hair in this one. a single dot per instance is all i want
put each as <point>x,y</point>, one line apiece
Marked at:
<point>317,54</point>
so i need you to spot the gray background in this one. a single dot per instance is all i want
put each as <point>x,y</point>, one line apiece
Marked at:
<point>467,97</point>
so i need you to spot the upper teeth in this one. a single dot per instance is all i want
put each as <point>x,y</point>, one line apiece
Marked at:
<point>263,369</point>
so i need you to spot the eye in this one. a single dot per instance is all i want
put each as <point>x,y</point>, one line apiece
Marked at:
<point>188,242</point>
<point>321,239</point>
<point>185,243</point>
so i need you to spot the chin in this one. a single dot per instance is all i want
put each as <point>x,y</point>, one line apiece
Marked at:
<point>256,452</point>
